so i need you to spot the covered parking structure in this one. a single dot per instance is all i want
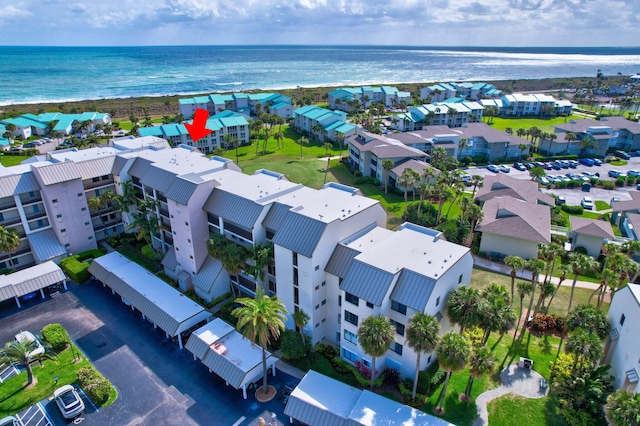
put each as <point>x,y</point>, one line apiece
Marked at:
<point>26,281</point>
<point>321,400</point>
<point>156,300</point>
<point>228,354</point>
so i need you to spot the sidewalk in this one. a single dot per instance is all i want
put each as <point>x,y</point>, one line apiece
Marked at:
<point>501,268</point>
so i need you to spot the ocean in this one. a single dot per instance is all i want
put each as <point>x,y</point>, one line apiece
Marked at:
<point>58,74</point>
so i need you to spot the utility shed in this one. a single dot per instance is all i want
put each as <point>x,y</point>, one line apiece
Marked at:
<point>160,303</point>
<point>321,400</point>
<point>29,280</point>
<point>228,354</point>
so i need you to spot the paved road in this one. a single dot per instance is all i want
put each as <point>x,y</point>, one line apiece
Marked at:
<point>158,383</point>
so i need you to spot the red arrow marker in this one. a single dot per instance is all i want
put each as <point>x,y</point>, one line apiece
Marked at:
<point>197,130</point>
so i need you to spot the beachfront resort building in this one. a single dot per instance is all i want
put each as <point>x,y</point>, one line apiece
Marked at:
<point>519,104</point>
<point>622,352</point>
<point>223,125</point>
<point>28,125</point>
<point>317,234</point>
<point>454,113</point>
<point>441,92</point>
<point>351,98</point>
<point>322,124</point>
<point>250,104</point>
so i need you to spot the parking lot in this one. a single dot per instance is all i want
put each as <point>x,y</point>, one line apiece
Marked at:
<point>574,195</point>
<point>157,382</point>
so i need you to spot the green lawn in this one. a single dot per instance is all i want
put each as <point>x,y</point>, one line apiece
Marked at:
<point>12,160</point>
<point>14,397</point>
<point>544,124</point>
<point>511,410</point>
<point>618,162</point>
<point>602,205</point>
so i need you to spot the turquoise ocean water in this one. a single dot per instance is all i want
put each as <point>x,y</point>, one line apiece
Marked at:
<point>54,74</point>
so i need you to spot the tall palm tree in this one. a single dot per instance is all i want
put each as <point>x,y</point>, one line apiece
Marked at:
<point>623,408</point>
<point>547,289</point>
<point>453,352</point>
<point>497,314</point>
<point>586,346</point>
<point>423,334</point>
<point>303,142</point>
<point>261,320</point>
<point>375,335</point>
<point>481,362</point>
<point>464,307</point>
<point>387,165</point>
<point>524,289</point>
<point>442,192</point>
<point>535,266</point>
<point>17,352</point>
<point>9,243</point>
<point>300,319</point>
<point>476,182</point>
<point>515,263</point>
<point>579,263</point>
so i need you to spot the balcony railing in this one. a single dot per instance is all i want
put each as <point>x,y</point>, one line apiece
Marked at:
<point>91,184</point>
<point>8,205</point>
<point>36,215</point>
<point>30,200</point>
<point>7,221</point>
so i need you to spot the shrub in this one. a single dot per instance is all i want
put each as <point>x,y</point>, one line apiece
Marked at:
<point>94,385</point>
<point>77,271</point>
<point>543,323</point>
<point>392,376</point>
<point>607,184</point>
<point>149,252</point>
<point>580,250</point>
<point>340,365</point>
<point>291,345</point>
<point>90,254</point>
<point>56,336</point>
<point>572,209</point>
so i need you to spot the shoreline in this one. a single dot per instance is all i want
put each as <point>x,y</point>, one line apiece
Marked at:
<point>121,108</point>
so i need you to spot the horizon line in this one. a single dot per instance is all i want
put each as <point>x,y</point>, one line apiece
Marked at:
<point>442,46</point>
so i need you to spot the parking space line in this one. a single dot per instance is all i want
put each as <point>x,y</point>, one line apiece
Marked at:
<point>240,420</point>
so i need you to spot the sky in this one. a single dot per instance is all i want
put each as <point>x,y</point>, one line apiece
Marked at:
<point>318,22</point>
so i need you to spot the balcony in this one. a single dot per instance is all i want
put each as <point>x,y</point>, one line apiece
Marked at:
<point>36,215</point>
<point>7,203</point>
<point>8,221</point>
<point>164,212</point>
<point>26,199</point>
<point>91,185</point>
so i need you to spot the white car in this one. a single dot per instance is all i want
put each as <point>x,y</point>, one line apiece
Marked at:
<point>587,203</point>
<point>35,347</point>
<point>69,402</point>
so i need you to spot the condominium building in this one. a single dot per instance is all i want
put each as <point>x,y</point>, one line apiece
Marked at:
<point>443,91</point>
<point>454,113</point>
<point>250,104</point>
<point>28,125</point>
<point>350,98</point>
<point>321,123</point>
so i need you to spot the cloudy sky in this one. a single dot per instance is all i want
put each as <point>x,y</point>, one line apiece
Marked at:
<point>382,22</point>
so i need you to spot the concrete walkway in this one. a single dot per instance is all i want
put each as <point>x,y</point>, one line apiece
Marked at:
<point>518,381</point>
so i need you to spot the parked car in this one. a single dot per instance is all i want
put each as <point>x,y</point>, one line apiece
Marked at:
<point>493,168</point>
<point>556,165</point>
<point>589,174</point>
<point>504,169</point>
<point>587,203</point>
<point>519,166</point>
<point>564,164</point>
<point>68,401</point>
<point>614,173</point>
<point>529,166</point>
<point>634,173</point>
<point>622,154</point>
<point>543,180</point>
<point>11,421</point>
<point>561,200</point>
<point>587,161</point>
<point>597,162</point>
<point>573,164</point>
<point>35,347</point>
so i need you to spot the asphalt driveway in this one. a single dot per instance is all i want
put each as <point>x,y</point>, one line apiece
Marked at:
<point>158,383</point>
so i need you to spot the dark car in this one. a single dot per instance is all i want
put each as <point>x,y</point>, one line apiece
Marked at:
<point>519,166</point>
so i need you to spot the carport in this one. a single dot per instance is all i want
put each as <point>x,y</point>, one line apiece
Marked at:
<point>156,300</point>
<point>228,354</point>
<point>29,280</point>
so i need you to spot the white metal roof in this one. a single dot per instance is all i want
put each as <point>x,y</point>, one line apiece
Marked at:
<point>164,305</point>
<point>31,279</point>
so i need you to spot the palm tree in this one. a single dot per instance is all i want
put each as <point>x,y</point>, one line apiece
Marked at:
<point>515,263</point>
<point>586,346</point>
<point>340,137</point>
<point>496,314</point>
<point>261,320</point>
<point>579,263</point>
<point>547,289</point>
<point>300,319</point>
<point>407,179</point>
<point>303,142</point>
<point>452,352</point>
<point>476,182</point>
<point>387,165</point>
<point>535,266</point>
<point>524,289</point>
<point>623,408</point>
<point>17,352</point>
<point>464,307</point>
<point>481,362</point>
<point>422,336</point>
<point>375,335</point>
<point>9,242</point>
<point>442,192</point>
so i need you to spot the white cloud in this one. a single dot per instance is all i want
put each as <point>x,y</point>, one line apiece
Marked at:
<point>413,22</point>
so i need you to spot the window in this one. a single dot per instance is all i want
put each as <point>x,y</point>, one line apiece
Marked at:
<point>460,279</point>
<point>351,298</point>
<point>295,296</point>
<point>317,288</point>
<point>55,200</point>
<point>351,318</point>
<point>438,301</point>
<point>90,238</point>
<point>324,302</point>
<point>398,326</point>
<point>339,300</point>
<point>272,286</point>
<point>189,240</point>
<point>84,209</point>
<point>324,320</point>
<point>63,230</point>
<point>348,355</point>
<point>317,324</point>
<point>80,194</point>
<point>317,267</point>
<point>369,305</point>
<point>397,348</point>
<point>351,337</point>
<point>324,283</point>
<point>317,306</point>
<point>295,258</point>
<point>622,318</point>
<point>339,318</point>
<point>58,216</point>
<point>86,224</point>
<point>186,224</point>
<point>399,307</point>
<point>366,362</point>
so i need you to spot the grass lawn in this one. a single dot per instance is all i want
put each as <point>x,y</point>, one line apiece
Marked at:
<point>13,396</point>
<point>544,124</point>
<point>590,276</point>
<point>134,254</point>
<point>12,160</point>
<point>587,214</point>
<point>602,205</point>
<point>514,410</point>
<point>618,162</point>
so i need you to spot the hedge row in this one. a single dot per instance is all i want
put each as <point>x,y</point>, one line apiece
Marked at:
<point>343,367</point>
<point>94,384</point>
<point>76,267</point>
<point>56,336</point>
